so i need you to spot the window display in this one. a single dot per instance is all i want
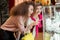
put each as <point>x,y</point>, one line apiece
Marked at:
<point>52,23</point>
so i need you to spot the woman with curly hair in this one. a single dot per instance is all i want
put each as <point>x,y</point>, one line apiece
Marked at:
<point>17,20</point>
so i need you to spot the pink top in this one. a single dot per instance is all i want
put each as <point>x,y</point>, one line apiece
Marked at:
<point>40,24</point>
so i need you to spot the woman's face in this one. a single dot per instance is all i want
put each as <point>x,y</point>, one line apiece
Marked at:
<point>31,8</point>
<point>38,9</point>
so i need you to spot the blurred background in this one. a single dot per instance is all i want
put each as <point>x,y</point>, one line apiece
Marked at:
<point>6,5</point>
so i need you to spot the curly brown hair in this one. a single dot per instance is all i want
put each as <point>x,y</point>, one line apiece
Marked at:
<point>21,9</point>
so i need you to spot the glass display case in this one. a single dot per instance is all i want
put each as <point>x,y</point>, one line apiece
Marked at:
<point>51,26</point>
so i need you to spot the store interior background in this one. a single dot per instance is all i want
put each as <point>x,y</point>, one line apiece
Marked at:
<point>6,5</point>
